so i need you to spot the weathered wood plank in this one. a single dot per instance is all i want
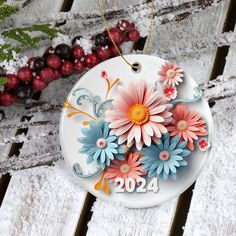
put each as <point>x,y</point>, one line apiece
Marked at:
<point>44,200</point>
<point>103,213</point>
<point>41,201</point>
<point>162,8</point>
<point>213,209</point>
<point>112,219</point>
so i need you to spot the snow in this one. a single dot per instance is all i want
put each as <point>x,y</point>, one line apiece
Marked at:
<point>13,65</point>
<point>86,43</point>
<point>213,207</point>
<point>41,201</point>
<point>111,219</point>
<point>47,201</point>
<point>61,38</point>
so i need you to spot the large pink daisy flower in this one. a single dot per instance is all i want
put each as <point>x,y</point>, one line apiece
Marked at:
<point>170,74</point>
<point>187,124</point>
<point>128,168</point>
<point>138,115</point>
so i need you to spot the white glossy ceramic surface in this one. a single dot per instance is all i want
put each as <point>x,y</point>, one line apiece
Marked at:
<point>70,130</point>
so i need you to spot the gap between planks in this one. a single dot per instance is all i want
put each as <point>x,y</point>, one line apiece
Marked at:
<point>185,198</point>
<point>15,147</point>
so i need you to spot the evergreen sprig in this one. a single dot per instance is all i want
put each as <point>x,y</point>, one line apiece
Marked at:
<point>6,10</point>
<point>3,80</point>
<point>23,36</point>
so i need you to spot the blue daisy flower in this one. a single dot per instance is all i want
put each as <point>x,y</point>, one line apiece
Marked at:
<point>166,158</point>
<point>99,145</point>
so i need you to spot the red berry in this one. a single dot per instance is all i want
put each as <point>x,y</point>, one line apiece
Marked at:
<point>13,81</point>
<point>114,51</point>
<point>54,61</point>
<point>31,62</point>
<point>25,74</point>
<point>79,67</point>
<point>91,60</point>
<point>6,99</point>
<point>56,75</point>
<point>104,53</point>
<point>77,52</point>
<point>67,68</point>
<point>47,74</point>
<point>49,50</point>
<point>116,35</point>
<point>132,26</point>
<point>123,25</point>
<point>39,84</point>
<point>133,35</point>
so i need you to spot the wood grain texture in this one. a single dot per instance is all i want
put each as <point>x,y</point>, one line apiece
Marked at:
<point>41,201</point>
<point>213,208</point>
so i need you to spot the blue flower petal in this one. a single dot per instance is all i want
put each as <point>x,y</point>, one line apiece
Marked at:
<point>112,145</point>
<point>166,168</point>
<point>166,144</point>
<point>155,165</point>
<point>172,168</point>
<point>114,151</point>
<point>183,163</point>
<point>111,139</point>
<point>108,162</point>
<point>145,167</point>
<point>177,157</point>
<point>109,154</point>
<point>172,147</point>
<point>182,145</point>
<point>177,151</point>
<point>97,154</point>
<point>121,150</point>
<point>105,131</point>
<point>176,163</point>
<point>151,173</point>
<point>103,156</point>
<point>185,153</point>
<point>90,159</point>
<point>175,139</point>
<point>160,168</point>
<point>120,157</point>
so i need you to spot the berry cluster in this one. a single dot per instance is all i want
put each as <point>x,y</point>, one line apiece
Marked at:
<point>63,61</point>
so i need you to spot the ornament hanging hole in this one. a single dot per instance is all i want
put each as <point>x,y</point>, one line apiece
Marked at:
<point>136,67</point>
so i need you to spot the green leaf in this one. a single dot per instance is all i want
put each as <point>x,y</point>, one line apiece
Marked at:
<point>5,52</point>
<point>2,1</point>
<point>22,34</point>
<point>3,80</point>
<point>7,10</point>
<point>46,29</point>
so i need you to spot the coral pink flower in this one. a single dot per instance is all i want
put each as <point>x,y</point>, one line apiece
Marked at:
<point>128,168</point>
<point>138,115</point>
<point>170,74</point>
<point>203,144</point>
<point>170,93</point>
<point>187,124</point>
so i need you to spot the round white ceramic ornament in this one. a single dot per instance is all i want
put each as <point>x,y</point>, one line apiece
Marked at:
<point>138,138</point>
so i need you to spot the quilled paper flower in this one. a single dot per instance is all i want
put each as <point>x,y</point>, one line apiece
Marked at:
<point>187,124</point>
<point>128,168</point>
<point>203,144</point>
<point>99,145</point>
<point>164,159</point>
<point>138,115</point>
<point>170,74</point>
<point>170,92</point>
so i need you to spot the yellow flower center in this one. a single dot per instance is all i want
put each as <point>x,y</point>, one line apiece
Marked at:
<point>170,73</point>
<point>125,168</point>
<point>138,114</point>
<point>182,125</point>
